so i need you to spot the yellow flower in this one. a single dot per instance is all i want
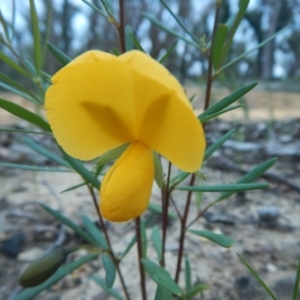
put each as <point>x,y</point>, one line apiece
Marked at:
<point>100,101</point>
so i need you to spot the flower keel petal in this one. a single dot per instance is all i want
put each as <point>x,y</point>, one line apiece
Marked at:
<point>126,188</point>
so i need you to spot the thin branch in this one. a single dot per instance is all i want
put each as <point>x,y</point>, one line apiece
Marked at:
<point>114,258</point>
<point>140,256</point>
<point>121,26</point>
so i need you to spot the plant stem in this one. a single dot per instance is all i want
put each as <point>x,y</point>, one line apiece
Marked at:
<point>182,229</point>
<point>121,26</point>
<point>209,82</point>
<point>165,204</point>
<point>140,256</point>
<point>114,258</point>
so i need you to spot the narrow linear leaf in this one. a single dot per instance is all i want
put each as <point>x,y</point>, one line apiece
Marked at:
<point>29,293</point>
<point>58,216</point>
<point>14,65</point>
<point>17,86</point>
<point>157,241</point>
<point>33,168</point>
<point>215,146</point>
<point>24,131</point>
<point>82,170</point>
<point>251,176</point>
<point>222,104</point>
<point>74,187</point>
<point>170,31</point>
<point>219,239</point>
<point>111,155</point>
<point>24,114</point>
<point>94,232</point>
<point>220,38</point>
<point>95,8</point>
<point>261,282</point>
<point>297,283</point>
<point>204,120</point>
<point>45,152</point>
<point>36,37</point>
<point>200,175</point>
<point>192,98</point>
<point>110,270</point>
<point>179,22</point>
<point>188,277</point>
<point>58,54</point>
<point>136,42</point>
<point>225,188</point>
<point>17,92</point>
<point>128,38</point>
<point>112,292</point>
<point>158,170</point>
<point>168,53</point>
<point>194,291</point>
<point>162,294</point>
<point>161,276</point>
<point>156,208</point>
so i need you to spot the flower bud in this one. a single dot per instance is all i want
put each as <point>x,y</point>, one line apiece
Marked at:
<point>44,267</point>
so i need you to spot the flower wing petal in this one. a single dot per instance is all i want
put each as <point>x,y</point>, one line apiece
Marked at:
<point>165,118</point>
<point>126,188</point>
<point>90,105</point>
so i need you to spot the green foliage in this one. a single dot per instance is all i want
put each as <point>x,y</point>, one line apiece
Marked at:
<point>219,239</point>
<point>110,270</point>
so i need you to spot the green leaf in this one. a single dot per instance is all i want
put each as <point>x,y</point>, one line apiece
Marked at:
<point>94,232</point>
<point>220,38</point>
<point>168,53</point>
<point>28,294</point>
<point>17,92</point>
<point>58,54</point>
<point>136,42</point>
<point>220,105</point>
<point>157,241</point>
<point>128,38</point>
<point>112,292</point>
<point>195,290</point>
<point>179,22</point>
<point>200,175</point>
<point>243,4</point>
<point>162,294</point>
<point>219,239</point>
<point>297,282</point>
<point>82,170</point>
<point>45,152</point>
<point>192,98</point>
<point>157,209</point>
<point>36,38</point>
<point>188,277</point>
<point>111,155</point>
<point>25,131</point>
<point>261,282</point>
<point>143,239</point>
<point>251,176</point>
<point>95,8</point>
<point>14,65</point>
<point>24,114</point>
<point>204,120</point>
<point>170,31</point>
<point>110,270</point>
<point>158,170</point>
<point>74,187</point>
<point>18,87</point>
<point>215,146</point>
<point>225,188</point>
<point>161,276</point>
<point>33,168</point>
<point>58,216</point>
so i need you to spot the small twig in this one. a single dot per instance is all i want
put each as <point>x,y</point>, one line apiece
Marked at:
<point>121,26</point>
<point>140,256</point>
<point>165,204</point>
<point>182,229</point>
<point>176,208</point>
<point>114,258</point>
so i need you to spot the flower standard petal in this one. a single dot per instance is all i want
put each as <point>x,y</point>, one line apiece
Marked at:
<point>165,118</point>
<point>90,105</point>
<point>126,188</point>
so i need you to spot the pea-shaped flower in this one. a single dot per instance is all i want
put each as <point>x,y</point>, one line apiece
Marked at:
<point>100,101</point>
